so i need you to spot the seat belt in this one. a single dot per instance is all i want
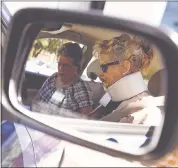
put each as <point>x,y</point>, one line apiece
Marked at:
<point>106,106</point>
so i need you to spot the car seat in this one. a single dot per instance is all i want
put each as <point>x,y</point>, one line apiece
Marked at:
<point>96,87</point>
<point>156,84</point>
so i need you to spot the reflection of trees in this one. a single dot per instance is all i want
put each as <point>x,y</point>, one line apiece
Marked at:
<point>37,48</point>
<point>53,45</point>
<point>49,45</point>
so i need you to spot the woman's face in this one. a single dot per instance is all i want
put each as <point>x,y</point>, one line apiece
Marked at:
<point>112,72</point>
<point>121,56</point>
<point>112,75</point>
<point>130,60</point>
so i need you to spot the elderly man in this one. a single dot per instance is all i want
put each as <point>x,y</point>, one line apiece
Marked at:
<point>64,90</point>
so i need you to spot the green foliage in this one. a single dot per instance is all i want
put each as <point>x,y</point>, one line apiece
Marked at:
<point>37,48</point>
<point>53,45</point>
<point>49,45</point>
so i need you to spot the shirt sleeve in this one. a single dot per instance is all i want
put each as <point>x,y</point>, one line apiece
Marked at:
<point>40,96</point>
<point>46,89</point>
<point>154,117</point>
<point>83,95</point>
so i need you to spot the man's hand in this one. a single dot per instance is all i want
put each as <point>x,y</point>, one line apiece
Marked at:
<point>86,110</point>
<point>128,119</point>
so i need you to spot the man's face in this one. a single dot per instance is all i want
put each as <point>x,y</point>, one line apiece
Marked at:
<point>66,69</point>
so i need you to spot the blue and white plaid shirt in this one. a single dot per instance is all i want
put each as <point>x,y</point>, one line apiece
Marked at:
<point>76,96</point>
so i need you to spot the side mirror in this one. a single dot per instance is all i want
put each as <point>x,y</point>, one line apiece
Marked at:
<point>126,50</point>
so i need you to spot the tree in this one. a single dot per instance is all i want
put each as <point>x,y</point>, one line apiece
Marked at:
<point>37,48</point>
<point>49,45</point>
<point>53,45</point>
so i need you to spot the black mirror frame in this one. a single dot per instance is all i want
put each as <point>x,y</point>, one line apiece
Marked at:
<point>22,27</point>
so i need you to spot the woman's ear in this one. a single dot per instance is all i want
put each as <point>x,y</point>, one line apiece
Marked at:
<point>126,67</point>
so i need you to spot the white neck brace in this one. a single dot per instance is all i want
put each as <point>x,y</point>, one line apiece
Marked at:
<point>127,87</point>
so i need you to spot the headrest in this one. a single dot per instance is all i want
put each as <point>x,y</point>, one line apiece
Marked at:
<point>156,84</point>
<point>93,69</point>
<point>92,76</point>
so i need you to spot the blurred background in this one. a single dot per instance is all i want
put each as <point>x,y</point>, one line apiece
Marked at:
<point>154,13</point>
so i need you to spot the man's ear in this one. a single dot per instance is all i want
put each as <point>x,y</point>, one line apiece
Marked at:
<point>126,66</point>
<point>78,70</point>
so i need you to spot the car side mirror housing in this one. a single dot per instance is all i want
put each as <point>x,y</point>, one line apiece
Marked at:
<point>25,28</point>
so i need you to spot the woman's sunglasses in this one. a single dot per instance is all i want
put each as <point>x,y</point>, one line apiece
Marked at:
<point>104,67</point>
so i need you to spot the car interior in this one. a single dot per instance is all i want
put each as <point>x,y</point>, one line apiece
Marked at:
<point>32,82</point>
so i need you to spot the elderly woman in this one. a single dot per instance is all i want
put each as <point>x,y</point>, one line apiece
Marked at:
<point>121,60</point>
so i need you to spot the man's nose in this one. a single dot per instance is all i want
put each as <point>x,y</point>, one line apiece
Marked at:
<point>60,67</point>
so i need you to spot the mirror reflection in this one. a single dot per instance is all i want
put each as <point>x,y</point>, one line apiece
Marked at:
<point>94,73</point>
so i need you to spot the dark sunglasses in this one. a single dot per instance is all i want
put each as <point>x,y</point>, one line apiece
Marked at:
<point>104,67</point>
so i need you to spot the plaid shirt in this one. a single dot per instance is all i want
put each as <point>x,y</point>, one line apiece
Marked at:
<point>76,96</point>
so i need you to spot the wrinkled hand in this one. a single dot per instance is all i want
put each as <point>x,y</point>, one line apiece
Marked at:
<point>128,119</point>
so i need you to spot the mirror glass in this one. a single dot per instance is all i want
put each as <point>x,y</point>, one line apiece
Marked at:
<point>94,73</point>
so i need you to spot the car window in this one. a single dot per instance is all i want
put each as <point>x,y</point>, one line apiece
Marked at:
<point>42,58</point>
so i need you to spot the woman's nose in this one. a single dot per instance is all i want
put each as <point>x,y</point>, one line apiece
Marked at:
<point>102,76</point>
